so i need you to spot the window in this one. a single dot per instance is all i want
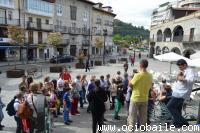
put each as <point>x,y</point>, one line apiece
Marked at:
<point>85,15</point>
<point>73,11</point>
<point>39,37</point>
<point>59,10</point>
<point>10,15</point>
<point>39,23</point>
<point>30,19</point>
<point>98,20</point>
<point>47,21</point>
<point>30,37</point>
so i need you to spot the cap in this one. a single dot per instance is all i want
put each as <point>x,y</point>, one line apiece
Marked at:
<point>181,62</point>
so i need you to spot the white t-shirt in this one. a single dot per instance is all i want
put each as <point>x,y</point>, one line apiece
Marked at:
<point>184,89</point>
<point>16,105</point>
<point>78,84</point>
<point>60,84</point>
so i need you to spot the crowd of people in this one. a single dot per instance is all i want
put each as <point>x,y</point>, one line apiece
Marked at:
<point>63,95</point>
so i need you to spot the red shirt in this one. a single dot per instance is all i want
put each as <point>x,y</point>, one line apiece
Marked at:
<point>67,76</point>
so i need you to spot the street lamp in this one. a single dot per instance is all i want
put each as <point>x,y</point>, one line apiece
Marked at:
<point>105,33</point>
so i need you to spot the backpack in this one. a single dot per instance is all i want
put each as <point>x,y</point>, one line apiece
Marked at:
<point>24,111</point>
<point>10,107</point>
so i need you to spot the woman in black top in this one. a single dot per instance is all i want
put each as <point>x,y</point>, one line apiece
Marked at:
<point>97,99</point>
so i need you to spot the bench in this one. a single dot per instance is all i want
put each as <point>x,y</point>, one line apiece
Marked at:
<point>35,72</point>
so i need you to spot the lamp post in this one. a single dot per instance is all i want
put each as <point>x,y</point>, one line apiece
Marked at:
<point>105,33</point>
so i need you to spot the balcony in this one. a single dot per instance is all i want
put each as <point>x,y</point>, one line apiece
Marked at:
<point>7,4</point>
<point>72,30</point>
<point>4,21</point>
<point>86,43</point>
<point>39,26</point>
<point>186,2</point>
<point>65,42</point>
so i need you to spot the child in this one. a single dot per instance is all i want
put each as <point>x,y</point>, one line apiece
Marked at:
<point>75,98</point>
<point>152,98</point>
<point>113,90</point>
<point>119,100</point>
<point>165,94</point>
<point>67,103</point>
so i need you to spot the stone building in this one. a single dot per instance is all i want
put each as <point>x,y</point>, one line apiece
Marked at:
<point>102,21</point>
<point>180,31</point>
<point>72,18</point>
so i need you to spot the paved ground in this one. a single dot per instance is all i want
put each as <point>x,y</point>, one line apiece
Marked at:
<point>81,124</point>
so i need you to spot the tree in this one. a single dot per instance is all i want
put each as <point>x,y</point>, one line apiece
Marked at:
<point>17,35</point>
<point>117,39</point>
<point>54,39</point>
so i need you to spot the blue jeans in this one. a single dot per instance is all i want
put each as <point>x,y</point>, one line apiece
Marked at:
<point>175,108</point>
<point>66,114</point>
<point>81,98</point>
<point>19,124</point>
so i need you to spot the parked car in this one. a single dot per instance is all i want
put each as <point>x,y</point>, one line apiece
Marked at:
<point>62,59</point>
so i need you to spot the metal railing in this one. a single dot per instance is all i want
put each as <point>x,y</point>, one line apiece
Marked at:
<point>85,42</point>
<point>7,21</point>
<point>184,38</point>
<point>72,30</point>
<point>39,26</point>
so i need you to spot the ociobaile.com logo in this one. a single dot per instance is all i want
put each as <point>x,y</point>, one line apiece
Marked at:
<point>146,127</point>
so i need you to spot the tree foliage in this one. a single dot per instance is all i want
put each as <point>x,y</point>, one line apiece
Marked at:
<point>54,39</point>
<point>99,43</point>
<point>124,29</point>
<point>17,35</point>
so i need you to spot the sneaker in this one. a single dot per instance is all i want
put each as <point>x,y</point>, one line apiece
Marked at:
<point>67,123</point>
<point>117,118</point>
<point>2,126</point>
<point>70,121</point>
<point>104,119</point>
<point>78,114</point>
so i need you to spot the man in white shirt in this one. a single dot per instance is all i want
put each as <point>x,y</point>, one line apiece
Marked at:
<point>60,83</point>
<point>182,89</point>
<point>18,100</point>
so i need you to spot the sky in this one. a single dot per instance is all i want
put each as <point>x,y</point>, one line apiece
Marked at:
<point>137,12</point>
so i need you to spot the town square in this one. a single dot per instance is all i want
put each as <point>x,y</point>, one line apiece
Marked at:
<point>88,66</point>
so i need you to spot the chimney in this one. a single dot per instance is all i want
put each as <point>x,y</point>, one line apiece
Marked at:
<point>99,5</point>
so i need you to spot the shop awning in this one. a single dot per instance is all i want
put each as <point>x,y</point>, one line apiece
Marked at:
<point>8,47</point>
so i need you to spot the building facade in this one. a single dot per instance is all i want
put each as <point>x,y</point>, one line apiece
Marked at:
<point>9,15</point>
<point>102,29</point>
<point>72,18</point>
<point>180,33</point>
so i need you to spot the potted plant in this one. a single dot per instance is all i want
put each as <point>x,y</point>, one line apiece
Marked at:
<point>17,35</point>
<point>54,39</point>
<point>80,64</point>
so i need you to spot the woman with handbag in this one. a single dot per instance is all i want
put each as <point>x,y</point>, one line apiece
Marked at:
<point>37,103</point>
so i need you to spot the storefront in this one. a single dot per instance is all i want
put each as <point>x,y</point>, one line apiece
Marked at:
<point>9,53</point>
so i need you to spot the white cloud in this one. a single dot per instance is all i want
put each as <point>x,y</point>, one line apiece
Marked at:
<point>137,12</point>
